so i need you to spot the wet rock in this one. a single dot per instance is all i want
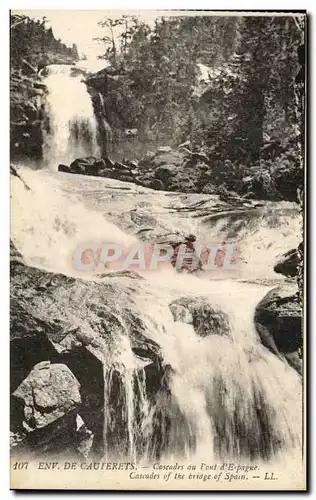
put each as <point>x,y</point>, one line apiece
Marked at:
<point>206,318</point>
<point>164,149</point>
<point>87,166</point>
<point>84,438</point>
<point>149,156</point>
<point>126,178</point>
<point>181,313</point>
<point>278,320</point>
<point>15,256</point>
<point>154,184</point>
<point>63,168</point>
<point>164,174</point>
<point>49,392</point>
<point>288,263</point>
<point>131,132</point>
<point>131,163</point>
<point>121,167</point>
<point>26,115</point>
<point>74,322</point>
<point>16,438</point>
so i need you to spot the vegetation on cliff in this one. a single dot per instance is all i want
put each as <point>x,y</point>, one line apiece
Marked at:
<point>32,47</point>
<point>227,85</point>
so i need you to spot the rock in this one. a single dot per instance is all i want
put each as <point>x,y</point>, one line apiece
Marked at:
<point>288,263</point>
<point>205,318</point>
<point>156,184</point>
<point>133,164</point>
<point>109,163</point>
<point>15,257</point>
<point>26,116</point>
<point>181,313</point>
<point>40,86</point>
<point>16,438</point>
<point>278,320</point>
<point>86,166</point>
<point>164,149</point>
<point>49,392</point>
<point>186,144</point>
<point>126,178</point>
<point>164,174</point>
<point>73,322</point>
<point>108,173</point>
<point>84,438</point>
<point>149,156</point>
<point>120,167</point>
<point>208,189</point>
<point>63,168</point>
<point>287,179</point>
<point>131,132</point>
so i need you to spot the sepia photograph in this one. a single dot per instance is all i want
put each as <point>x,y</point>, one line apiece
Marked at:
<point>157,250</point>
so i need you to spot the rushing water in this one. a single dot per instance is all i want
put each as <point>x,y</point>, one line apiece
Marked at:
<point>223,396</point>
<point>72,127</point>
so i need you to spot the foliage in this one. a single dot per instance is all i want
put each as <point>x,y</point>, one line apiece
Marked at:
<point>245,113</point>
<point>33,42</point>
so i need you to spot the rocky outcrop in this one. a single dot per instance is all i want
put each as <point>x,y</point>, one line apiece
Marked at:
<point>167,170</point>
<point>288,262</point>
<point>278,320</point>
<point>205,318</point>
<point>101,168</point>
<point>58,320</point>
<point>26,115</point>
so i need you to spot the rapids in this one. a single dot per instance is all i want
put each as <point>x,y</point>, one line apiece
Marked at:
<point>229,396</point>
<point>226,396</point>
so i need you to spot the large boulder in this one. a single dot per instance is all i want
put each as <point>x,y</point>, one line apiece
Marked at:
<point>87,166</point>
<point>164,174</point>
<point>48,393</point>
<point>44,413</point>
<point>178,169</point>
<point>288,262</point>
<point>63,168</point>
<point>278,320</point>
<point>206,319</point>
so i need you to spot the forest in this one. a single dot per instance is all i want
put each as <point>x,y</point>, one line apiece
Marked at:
<point>232,87</point>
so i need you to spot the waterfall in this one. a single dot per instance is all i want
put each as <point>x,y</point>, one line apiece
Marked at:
<point>224,395</point>
<point>71,131</point>
<point>127,410</point>
<point>107,131</point>
<point>229,396</point>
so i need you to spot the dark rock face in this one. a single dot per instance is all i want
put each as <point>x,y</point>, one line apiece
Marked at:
<point>103,167</point>
<point>26,115</point>
<point>278,320</point>
<point>86,166</point>
<point>287,264</point>
<point>205,318</point>
<point>69,325</point>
